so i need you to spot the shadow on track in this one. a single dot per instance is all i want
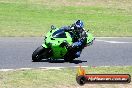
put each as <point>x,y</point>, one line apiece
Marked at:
<point>62,61</point>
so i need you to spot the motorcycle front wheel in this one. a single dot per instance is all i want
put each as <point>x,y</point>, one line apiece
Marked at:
<point>39,54</point>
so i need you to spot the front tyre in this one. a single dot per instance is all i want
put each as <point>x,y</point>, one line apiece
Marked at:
<point>37,54</point>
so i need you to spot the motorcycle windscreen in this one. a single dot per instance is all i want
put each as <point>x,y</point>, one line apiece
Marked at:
<point>59,34</point>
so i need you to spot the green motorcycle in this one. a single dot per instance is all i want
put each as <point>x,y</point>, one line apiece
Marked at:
<point>56,46</point>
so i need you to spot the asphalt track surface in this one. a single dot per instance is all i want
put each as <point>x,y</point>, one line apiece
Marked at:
<point>16,52</point>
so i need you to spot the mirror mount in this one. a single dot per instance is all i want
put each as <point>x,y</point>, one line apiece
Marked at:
<point>53,27</point>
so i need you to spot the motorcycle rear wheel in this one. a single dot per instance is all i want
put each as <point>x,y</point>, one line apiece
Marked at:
<point>69,58</point>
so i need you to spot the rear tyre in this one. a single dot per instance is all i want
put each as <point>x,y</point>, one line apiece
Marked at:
<point>69,58</point>
<point>37,54</point>
<point>70,55</point>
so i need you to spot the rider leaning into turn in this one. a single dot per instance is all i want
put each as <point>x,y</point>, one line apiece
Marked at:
<point>78,35</point>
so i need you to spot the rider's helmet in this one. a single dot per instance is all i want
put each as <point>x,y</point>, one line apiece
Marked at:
<point>79,24</point>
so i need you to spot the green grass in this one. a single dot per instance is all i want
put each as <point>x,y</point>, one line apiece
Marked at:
<point>34,17</point>
<point>63,78</point>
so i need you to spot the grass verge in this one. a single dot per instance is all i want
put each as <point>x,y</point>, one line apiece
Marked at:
<point>34,17</point>
<point>64,78</point>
